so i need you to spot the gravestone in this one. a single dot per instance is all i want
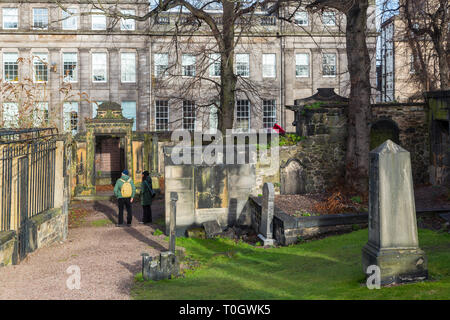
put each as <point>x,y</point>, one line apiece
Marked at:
<point>292,180</point>
<point>164,266</point>
<point>393,242</point>
<point>167,264</point>
<point>266,225</point>
<point>212,228</point>
<point>173,221</point>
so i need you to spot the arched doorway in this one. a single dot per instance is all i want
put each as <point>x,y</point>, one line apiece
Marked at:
<point>383,130</point>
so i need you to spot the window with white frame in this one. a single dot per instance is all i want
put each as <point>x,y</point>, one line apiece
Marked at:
<point>10,66</point>
<point>329,18</point>
<point>188,115</point>
<point>329,64</point>
<point>99,67</point>
<point>127,24</point>
<point>69,19</point>
<point>70,62</point>
<point>242,115</point>
<point>70,110</point>
<point>129,111</point>
<point>269,65</point>
<point>10,18</point>
<point>10,114</point>
<point>40,66</point>
<point>301,18</point>
<point>188,65</point>
<point>98,20</point>
<point>214,67</point>
<point>161,115</point>
<point>161,61</point>
<point>243,64</point>
<point>40,114</point>
<point>128,67</point>
<point>302,65</point>
<point>269,113</point>
<point>40,18</point>
<point>95,106</point>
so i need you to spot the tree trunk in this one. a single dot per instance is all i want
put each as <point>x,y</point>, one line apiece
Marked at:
<point>227,77</point>
<point>443,66</point>
<point>357,154</point>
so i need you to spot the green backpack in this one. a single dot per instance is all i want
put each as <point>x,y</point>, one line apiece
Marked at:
<point>126,189</point>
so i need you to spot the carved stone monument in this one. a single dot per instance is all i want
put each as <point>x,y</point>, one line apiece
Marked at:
<point>393,242</point>
<point>167,264</point>
<point>266,225</point>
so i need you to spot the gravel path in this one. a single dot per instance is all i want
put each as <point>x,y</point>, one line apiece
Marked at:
<point>108,257</point>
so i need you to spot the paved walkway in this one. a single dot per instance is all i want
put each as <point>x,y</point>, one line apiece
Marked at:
<point>108,258</point>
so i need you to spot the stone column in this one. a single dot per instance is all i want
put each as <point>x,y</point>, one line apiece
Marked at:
<point>173,217</point>
<point>266,225</point>
<point>393,242</point>
<point>59,175</point>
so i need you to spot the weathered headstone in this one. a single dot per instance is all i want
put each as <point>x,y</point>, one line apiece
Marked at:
<point>173,221</point>
<point>165,266</point>
<point>393,243</point>
<point>212,228</point>
<point>266,225</point>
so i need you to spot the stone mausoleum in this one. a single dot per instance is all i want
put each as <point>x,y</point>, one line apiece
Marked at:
<point>107,147</point>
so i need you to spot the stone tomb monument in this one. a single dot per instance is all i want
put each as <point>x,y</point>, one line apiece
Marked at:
<point>167,265</point>
<point>393,242</point>
<point>266,225</point>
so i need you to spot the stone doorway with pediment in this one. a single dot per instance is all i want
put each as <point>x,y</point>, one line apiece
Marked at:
<point>108,146</point>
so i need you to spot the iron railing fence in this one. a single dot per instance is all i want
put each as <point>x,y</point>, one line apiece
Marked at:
<point>27,167</point>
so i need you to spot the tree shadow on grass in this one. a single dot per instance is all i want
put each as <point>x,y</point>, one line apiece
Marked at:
<point>236,272</point>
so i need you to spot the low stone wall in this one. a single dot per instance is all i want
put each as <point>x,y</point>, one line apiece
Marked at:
<point>8,248</point>
<point>40,231</point>
<point>287,229</point>
<point>49,227</point>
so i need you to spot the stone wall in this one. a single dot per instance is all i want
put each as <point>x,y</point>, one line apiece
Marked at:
<point>206,192</point>
<point>51,227</point>
<point>40,231</point>
<point>411,120</point>
<point>8,248</point>
<point>317,162</point>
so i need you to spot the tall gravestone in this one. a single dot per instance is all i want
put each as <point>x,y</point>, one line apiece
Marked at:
<point>266,225</point>
<point>393,242</point>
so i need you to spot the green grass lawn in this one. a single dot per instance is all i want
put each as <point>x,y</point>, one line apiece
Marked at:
<point>323,269</point>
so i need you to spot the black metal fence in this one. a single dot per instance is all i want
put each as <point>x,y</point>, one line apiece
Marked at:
<point>27,167</point>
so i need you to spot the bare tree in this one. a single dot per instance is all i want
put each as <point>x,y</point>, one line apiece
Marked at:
<point>358,60</point>
<point>24,93</point>
<point>223,30</point>
<point>428,21</point>
<point>421,31</point>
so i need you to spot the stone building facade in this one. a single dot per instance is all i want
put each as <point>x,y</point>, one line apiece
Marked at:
<point>108,60</point>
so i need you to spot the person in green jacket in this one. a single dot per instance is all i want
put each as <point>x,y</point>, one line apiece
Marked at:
<point>147,195</point>
<point>120,190</point>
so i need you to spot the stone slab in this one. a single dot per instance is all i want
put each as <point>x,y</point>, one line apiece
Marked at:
<point>212,228</point>
<point>266,241</point>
